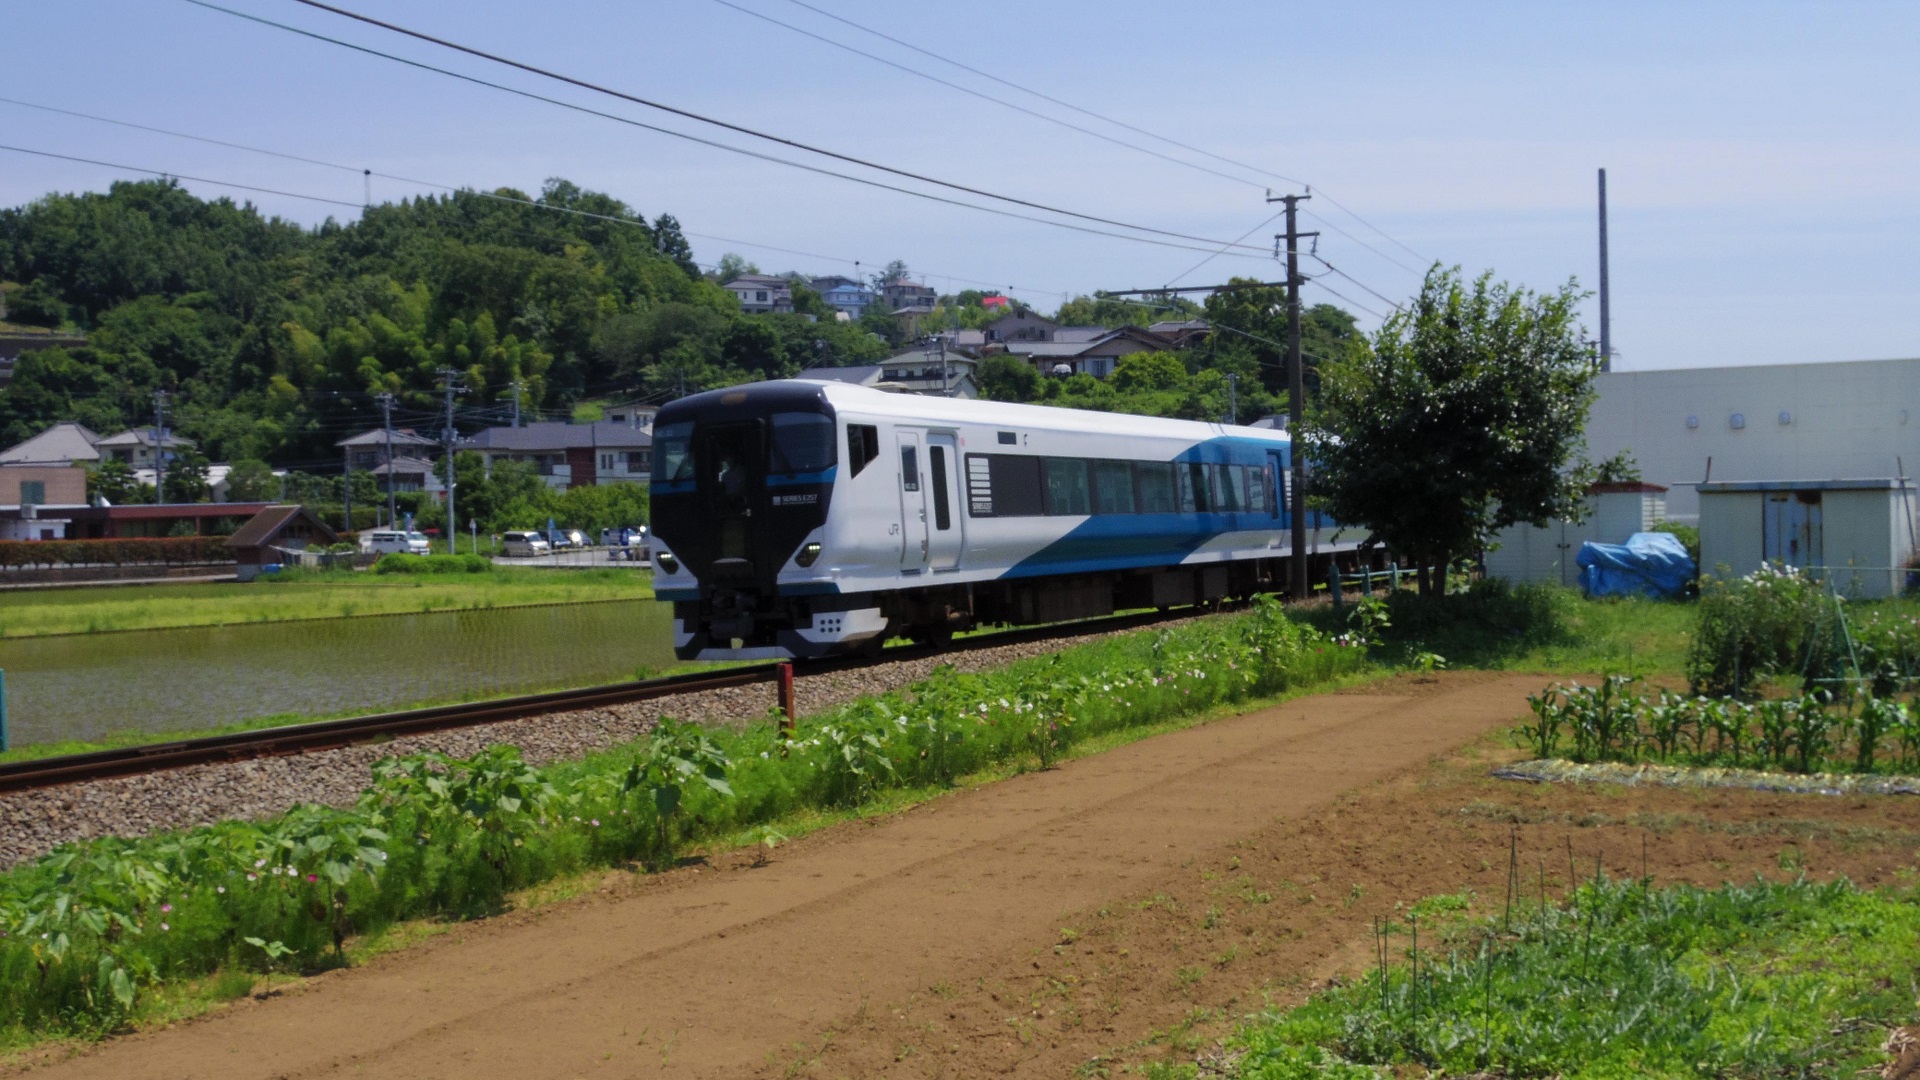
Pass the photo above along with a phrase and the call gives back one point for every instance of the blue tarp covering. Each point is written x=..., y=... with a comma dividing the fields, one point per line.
x=1648, y=564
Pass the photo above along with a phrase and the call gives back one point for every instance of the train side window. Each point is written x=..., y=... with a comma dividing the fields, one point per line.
x=1069, y=491
x=1230, y=485
x=909, y=468
x=937, y=462
x=863, y=445
x=1155, y=482
x=1196, y=493
x=1113, y=487
x=1010, y=486
x=1260, y=489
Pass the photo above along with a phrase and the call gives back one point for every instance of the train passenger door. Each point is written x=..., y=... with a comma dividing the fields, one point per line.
x=913, y=503
x=943, y=499
x=1279, y=481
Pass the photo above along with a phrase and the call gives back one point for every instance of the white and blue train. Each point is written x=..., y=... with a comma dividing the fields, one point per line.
x=806, y=519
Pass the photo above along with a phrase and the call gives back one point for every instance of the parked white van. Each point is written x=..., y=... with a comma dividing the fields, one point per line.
x=524, y=544
x=384, y=542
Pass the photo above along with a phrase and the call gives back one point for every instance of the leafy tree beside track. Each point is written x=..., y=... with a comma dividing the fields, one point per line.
x=1462, y=416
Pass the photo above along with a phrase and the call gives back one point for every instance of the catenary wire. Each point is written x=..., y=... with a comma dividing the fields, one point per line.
x=688, y=114
x=1395, y=304
x=476, y=192
x=1216, y=254
x=181, y=176
x=1107, y=119
x=916, y=73
x=929, y=196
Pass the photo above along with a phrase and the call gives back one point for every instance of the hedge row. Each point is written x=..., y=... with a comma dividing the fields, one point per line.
x=157, y=551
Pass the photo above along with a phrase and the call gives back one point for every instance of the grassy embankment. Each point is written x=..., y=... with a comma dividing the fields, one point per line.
x=301, y=595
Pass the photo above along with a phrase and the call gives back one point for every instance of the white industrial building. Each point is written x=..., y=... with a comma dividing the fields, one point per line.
x=1524, y=553
x=1842, y=420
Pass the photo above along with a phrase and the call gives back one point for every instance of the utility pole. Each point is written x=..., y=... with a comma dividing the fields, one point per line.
x=447, y=437
x=386, y=419
x=1606, y=314
x=515, y=386
x=159, y=446
x=1296, y=401
x=346, y=489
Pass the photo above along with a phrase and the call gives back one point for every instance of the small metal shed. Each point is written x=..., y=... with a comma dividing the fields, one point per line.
x=1615, y=511
x=1858, y=534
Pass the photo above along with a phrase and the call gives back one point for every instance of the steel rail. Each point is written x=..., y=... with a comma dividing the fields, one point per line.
x=323, y=735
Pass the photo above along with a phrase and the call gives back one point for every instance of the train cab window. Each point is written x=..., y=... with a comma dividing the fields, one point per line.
x=910, y=468
x=672, y=456
x=1068, y=491
x=1154, y=480
x=802, y=443
x=937, y=463
x=1113, y=487
x=1196, y=491
x=863, y=445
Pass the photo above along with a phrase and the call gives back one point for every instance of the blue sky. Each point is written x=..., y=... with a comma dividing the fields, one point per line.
x=1762, y=158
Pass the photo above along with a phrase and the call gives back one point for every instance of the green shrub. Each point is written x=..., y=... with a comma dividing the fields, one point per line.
x=1688, y=536
x=1625, y=980
x=1774, y=621
x=402, y=563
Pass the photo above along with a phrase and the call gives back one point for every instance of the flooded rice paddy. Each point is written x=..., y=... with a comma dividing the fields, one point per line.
x=88, y=686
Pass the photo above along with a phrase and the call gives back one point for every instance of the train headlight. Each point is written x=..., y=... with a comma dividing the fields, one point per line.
x=667, y=562
x=809, y=551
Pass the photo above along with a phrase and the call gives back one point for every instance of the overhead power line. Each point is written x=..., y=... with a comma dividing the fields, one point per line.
x=496, y=196
x=1170, y=141
x=698, y=117
x=969, y=91
x=929, y=196
x=181, y=176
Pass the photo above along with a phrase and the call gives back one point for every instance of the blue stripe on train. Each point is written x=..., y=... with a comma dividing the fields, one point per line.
x=1131, y=541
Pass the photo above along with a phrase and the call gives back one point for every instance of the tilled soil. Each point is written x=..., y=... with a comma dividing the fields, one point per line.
x=847, y=936
x=35, y=822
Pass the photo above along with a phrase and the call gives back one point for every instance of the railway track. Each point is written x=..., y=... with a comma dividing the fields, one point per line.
x=334, y=734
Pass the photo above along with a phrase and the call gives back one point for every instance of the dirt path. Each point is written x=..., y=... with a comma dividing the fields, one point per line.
x=732, y=972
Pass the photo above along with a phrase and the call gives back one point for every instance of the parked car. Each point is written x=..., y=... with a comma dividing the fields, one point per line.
x=557, y=539
x=395, y=542
x=625, y=544
x=575, y=538
x=524, y=544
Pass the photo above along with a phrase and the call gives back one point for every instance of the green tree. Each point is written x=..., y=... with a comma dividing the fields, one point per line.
x=732, y=266
x=186, y=478
x=113, y=480
x=1463, y=417
x=1007, y=378
x=251, y=480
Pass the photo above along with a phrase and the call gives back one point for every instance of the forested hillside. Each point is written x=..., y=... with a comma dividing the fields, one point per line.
x=274, y=338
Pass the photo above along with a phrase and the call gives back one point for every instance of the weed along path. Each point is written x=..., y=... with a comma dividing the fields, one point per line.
x=729, y=970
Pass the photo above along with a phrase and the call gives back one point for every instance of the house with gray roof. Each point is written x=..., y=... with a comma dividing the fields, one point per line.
x=1089, y=355
x=571, y=455
x=761, y=293
x=141, y=447
x=65, y=443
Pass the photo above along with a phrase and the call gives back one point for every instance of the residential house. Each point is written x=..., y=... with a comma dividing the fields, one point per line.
x=1182, y=334
x=65, y=443
x=848, y=295
x=277, y=535
x=635, y=414
x=401, y=459
x=571, y=455
x=902, y=294
x=1080, y=351
x=36, y=500
x=1020, y=324
x=141, y=447
x=761, y=293
x=906, y=373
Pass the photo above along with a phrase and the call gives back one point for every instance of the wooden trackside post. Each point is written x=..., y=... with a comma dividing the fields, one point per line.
x=786, y=700
x=5, y=744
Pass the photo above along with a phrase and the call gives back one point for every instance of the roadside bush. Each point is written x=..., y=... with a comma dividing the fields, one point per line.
x=143, y=551
x=87, y=930
x=1774, y=621
x=402, y=563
